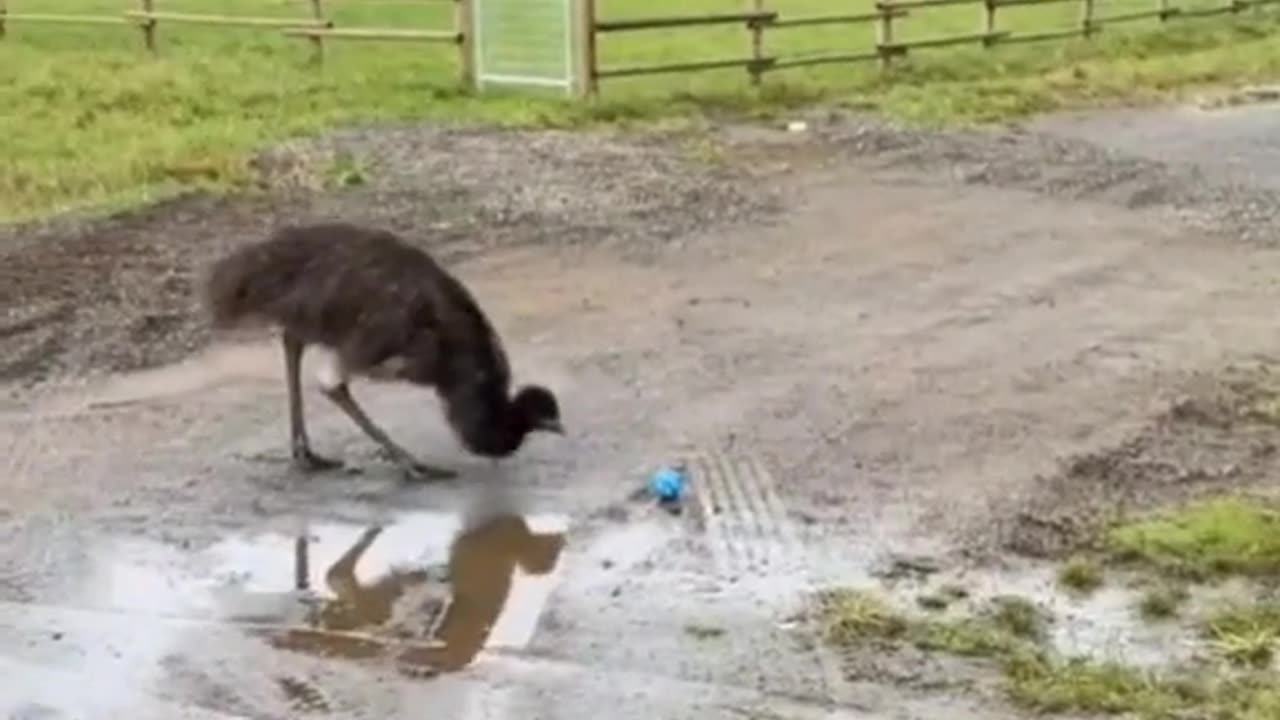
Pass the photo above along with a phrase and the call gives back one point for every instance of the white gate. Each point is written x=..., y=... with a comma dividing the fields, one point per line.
x=524, y=42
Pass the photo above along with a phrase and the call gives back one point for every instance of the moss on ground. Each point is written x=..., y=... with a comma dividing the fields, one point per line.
x=1228, y=536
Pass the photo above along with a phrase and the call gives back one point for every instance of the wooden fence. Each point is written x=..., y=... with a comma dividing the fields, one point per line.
x=756, y=18
x=314, y=27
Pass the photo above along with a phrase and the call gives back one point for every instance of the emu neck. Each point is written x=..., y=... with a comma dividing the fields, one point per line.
x=511, y=431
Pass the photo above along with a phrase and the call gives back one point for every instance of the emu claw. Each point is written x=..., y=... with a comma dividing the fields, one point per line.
x=413, y=469
x=421, y=472
x=309, y=462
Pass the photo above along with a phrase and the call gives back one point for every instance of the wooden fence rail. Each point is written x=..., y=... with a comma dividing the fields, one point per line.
x=885, y=47
x=313, y=27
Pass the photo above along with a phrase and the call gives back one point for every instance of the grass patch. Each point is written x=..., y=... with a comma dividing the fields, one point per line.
x=945, y=597
x=853, y=617
x=1018, y=617
x=1246, y=635
x=1038, y=683
x=850, y=616
x=1162, y=601
x=1010, y=634
x=704, y=632
x=963, y=638
x=1080, y=575
x=1205, y=540
x=92, y=119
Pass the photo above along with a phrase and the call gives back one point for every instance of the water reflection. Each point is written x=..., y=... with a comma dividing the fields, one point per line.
x=427, y=624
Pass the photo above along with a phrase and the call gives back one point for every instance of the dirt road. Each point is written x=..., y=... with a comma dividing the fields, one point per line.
x=876, y=358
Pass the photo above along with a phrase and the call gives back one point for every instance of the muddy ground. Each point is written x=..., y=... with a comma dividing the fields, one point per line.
x=868, y=342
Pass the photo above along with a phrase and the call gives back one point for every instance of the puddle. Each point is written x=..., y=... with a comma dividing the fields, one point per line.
x=429, y=590
x=1103, y=625
x=431, y=617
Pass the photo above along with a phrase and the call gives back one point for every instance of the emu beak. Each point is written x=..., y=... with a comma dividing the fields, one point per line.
x=553, y=426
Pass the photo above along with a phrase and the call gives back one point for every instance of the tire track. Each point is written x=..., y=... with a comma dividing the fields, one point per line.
x=748, y=529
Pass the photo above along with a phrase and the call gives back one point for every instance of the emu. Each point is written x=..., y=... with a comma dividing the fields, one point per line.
x=384, y=310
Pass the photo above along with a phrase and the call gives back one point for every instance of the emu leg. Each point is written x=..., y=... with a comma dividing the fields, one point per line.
x=341, y=577
x=303, y=458
x=341, y=396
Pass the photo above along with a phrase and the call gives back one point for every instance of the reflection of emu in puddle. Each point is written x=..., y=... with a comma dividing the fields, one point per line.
x=359, y=605
x=482, y=563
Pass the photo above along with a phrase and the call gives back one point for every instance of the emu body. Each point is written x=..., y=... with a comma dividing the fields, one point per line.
x=385, y=310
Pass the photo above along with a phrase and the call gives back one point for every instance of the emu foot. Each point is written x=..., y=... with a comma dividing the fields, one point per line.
x=415, y=470
x=421, y=472
x=308, y=462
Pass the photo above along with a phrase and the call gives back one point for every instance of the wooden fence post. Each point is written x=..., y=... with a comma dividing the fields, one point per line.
x=148, y=25
x=465, y=25
x=588, y=84
x=884, y=32
x=757, y=43
x=988, y=26
x=317, y=42
x=1086, y=18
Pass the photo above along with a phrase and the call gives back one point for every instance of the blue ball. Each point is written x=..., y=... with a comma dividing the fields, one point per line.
x=667, y=484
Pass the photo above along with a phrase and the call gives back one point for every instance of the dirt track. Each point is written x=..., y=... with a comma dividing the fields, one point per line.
x=873, y=347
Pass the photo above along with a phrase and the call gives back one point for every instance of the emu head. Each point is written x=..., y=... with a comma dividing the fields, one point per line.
x=537, y=409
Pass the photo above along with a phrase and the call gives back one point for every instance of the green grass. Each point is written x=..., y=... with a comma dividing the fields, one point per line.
x=1078, y=685
x=91, y=118
x=1204, y=540
x=1246, y=635
x=1162, y=601
x=851, y=616
x=1080, y=575
x=1037, y=680
x=1018, y=617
